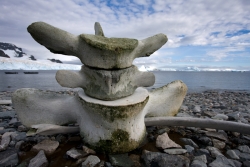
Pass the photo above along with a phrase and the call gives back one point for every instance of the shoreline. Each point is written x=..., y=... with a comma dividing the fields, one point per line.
x=200, y=146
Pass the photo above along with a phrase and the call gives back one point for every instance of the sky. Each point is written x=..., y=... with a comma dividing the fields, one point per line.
x=201, y=33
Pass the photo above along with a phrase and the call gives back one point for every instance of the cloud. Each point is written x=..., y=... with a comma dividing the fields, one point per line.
x=218, y=25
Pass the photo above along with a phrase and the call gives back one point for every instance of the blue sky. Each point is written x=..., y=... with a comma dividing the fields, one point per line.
x=201, y=33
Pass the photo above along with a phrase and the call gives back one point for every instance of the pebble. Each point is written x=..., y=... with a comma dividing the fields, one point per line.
x=49, y=146
x=39, y=160
x=197, y=147
x=189, y=142
x=163, y=142
x=76, y=154
x=222, y=161
x=175, y=151
x=91, y=161
x=121, y=160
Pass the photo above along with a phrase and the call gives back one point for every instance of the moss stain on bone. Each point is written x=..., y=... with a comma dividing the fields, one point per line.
x=119, y=142
x=117, y=45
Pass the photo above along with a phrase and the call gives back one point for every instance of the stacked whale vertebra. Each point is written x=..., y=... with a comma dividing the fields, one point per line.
x=111, y=109
x=108, y=73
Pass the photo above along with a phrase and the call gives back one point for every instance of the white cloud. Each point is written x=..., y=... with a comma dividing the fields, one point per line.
x=185, y=22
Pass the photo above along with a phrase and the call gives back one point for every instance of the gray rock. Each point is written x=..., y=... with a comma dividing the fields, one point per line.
x=175, y=151
x=237, y=163
x=205, y=140
x=202, y=158
x=22, y=128
x=222, y=161
x=234, y=116
x=217, y=135
x=7, y=130
x=120, y=160
x=163, y=142
x=164, y=130
x=17, y=136
x=220, y=117
x=39, y=160
x=76, y=154
x=189, y=142
x=18, y=144
x=218, y=144
x=163, y=160
x=214, y=151
x=5, y=140
x=198, y=163
x=49, y=146
x=246, y=163
x=183, y=115
x=244, y=149
x=184, y=108
x=197, y=109
x=189, y=148
x=9, y=158
x=91, y=161
x=231, y=154
x=7, y=114
x=13, y=121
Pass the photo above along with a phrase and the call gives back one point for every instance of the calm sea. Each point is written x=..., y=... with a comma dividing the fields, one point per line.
x=196, y=81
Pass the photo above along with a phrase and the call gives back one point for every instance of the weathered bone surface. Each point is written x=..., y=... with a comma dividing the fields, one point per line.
x=95, y=50
x=35, y=106
x=116, y=125
x=113, y=126
x=199, y=122
x=106, y=84
x=166, y=100
x=111, y=109
x=50, y=129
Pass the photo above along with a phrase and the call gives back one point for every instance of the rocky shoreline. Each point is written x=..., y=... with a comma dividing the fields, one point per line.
x=165, y=146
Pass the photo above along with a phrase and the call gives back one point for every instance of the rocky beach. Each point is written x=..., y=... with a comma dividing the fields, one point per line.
x=164, y=146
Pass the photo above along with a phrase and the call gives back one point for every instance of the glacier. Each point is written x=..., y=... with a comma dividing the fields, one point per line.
x=16, y=64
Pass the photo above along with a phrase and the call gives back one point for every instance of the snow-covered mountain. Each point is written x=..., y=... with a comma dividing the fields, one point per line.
x=13, y=58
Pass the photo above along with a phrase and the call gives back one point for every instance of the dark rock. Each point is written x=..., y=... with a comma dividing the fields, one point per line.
x=222, y=161
x=205, y=140
x=236, y=163
x=214, y=151
x=9, y=158
x=189, y=142
x=246, y=164
x=189, y=148
x=198, y=163
x=120, y=160
x=157, y=159
x=7, y=130
x=235, y=116
x=232, y=155
x=17, y=136
x=244, y=149
x=217, y=135
x=7, y=114
x=39, y=160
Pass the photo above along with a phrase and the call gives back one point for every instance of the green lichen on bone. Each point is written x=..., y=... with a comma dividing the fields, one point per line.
x=113, y=44
x=119, y=142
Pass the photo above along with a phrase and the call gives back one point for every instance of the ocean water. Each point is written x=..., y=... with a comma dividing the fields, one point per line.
x=196, y=81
